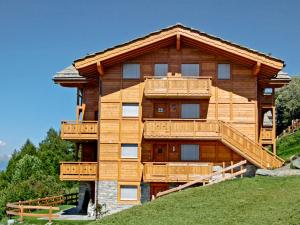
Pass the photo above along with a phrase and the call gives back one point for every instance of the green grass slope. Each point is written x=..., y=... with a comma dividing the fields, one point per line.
x=255, y=201
x=289, y=145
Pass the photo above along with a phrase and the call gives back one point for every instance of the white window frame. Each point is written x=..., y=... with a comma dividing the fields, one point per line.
x=157, y=67
x=134, y=74
x=220, y=69
x=186, y=106
x=125, y=148
x=122, y=187
x=127, y=114
x=197, y=153
x=185, y=66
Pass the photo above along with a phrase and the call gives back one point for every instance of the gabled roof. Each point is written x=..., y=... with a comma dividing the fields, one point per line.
x=192, y=37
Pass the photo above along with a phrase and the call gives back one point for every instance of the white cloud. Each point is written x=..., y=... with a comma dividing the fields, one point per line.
x=2, y=143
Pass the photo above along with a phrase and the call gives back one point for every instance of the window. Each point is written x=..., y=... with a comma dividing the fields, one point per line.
x=189, y=152
x=131, y=71
x=129, y=151
x=224, y=71
x=160, y=109
x=128, y=192
x=267, y=91
x=130, y=110
x=190, y=111
x=160, y=69
x=267, y=118
x=190, y=69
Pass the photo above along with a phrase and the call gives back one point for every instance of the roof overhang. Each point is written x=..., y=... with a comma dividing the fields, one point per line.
x=278, y=81
x=262, y=63
x=69, y=77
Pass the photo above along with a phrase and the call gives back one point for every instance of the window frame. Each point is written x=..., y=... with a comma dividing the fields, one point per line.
x=190, y=160
x=129, y=158
x=125, y=201
x=199, y=108
x=131, y=103
x=154, y=70
x=199, y=69
x=230, y=71
x=267, y=93
x=131, y=78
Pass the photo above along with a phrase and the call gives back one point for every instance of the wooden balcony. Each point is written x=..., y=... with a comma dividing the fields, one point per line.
x=175, y=171
x=180, y=129
x=80, y=130
x=178, y=87
x=78, y=171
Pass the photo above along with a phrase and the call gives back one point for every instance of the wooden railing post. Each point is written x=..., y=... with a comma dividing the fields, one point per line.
x=223, y=172
x=50, y=214
x=21, y=211
x=231, y=163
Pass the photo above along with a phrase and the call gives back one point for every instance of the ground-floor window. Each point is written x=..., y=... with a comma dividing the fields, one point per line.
x=128, y=193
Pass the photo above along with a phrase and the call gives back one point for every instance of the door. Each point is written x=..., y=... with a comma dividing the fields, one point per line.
x=157, y=187
x=161, y=110
x=160, y=152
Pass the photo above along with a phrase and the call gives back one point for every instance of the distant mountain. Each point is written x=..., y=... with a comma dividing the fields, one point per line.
x=3, y=164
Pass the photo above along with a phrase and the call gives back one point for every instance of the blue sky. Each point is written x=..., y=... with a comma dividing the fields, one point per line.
x=39, y=38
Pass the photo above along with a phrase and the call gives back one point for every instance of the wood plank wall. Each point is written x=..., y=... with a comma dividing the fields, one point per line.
x=233, y=100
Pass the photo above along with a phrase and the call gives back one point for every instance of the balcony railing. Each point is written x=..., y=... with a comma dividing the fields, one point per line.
x=79, y=130
x=178, y=87
x=78, y=171
x=180, y=129
x=175, y=171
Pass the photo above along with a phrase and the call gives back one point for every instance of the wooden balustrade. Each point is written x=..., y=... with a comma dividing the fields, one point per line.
x=248, y=148
x=175, y=171
x=180, y=129
x=266, y=134
x=205, y=130
x=78, y=171
x=79, y=130
x=178, y=87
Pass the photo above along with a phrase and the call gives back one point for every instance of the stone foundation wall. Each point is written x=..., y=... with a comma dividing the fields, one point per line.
x=107, y=193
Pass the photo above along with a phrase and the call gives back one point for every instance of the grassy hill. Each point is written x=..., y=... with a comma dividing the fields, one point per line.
x=289, y=145
x=255, y=201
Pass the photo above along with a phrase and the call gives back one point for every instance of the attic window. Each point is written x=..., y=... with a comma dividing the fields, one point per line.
x=190, y=69
x=131, y=71
x=224, y=71
x=160, y=69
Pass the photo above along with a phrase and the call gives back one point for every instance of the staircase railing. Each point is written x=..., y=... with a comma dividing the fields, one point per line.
x=208, y=178
x=254, y=152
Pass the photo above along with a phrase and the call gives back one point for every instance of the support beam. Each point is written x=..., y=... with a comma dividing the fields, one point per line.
x=256, y=69
x=100, y=68
x=178, y=42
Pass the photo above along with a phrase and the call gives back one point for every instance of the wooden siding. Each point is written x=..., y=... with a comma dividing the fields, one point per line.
x=175, y=171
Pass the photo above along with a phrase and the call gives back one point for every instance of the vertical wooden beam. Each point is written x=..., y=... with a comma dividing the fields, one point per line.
x=178, y=42
x=256, y=68
x=100, y=68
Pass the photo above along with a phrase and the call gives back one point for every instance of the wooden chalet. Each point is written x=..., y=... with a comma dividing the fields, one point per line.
x=166, y=109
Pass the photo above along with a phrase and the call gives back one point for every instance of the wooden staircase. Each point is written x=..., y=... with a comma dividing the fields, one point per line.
x=249, y=149
x=212, y=178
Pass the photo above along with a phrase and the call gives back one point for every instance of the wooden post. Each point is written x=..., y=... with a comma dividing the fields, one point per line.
x=242, y=167
x=21, y=212
x=231, y=163
x=50, y=214
x=223, y=165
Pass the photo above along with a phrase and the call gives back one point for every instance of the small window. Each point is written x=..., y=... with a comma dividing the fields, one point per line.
x=267, y=119
x=189, y=152
x=190, y=111
x=190, y=69
x=128, y=192
x=268, y=91
x=160, y=109
x=160, y=69
x=129, y=151
x=131, y=71
x=130, y=110
x=224, y=71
